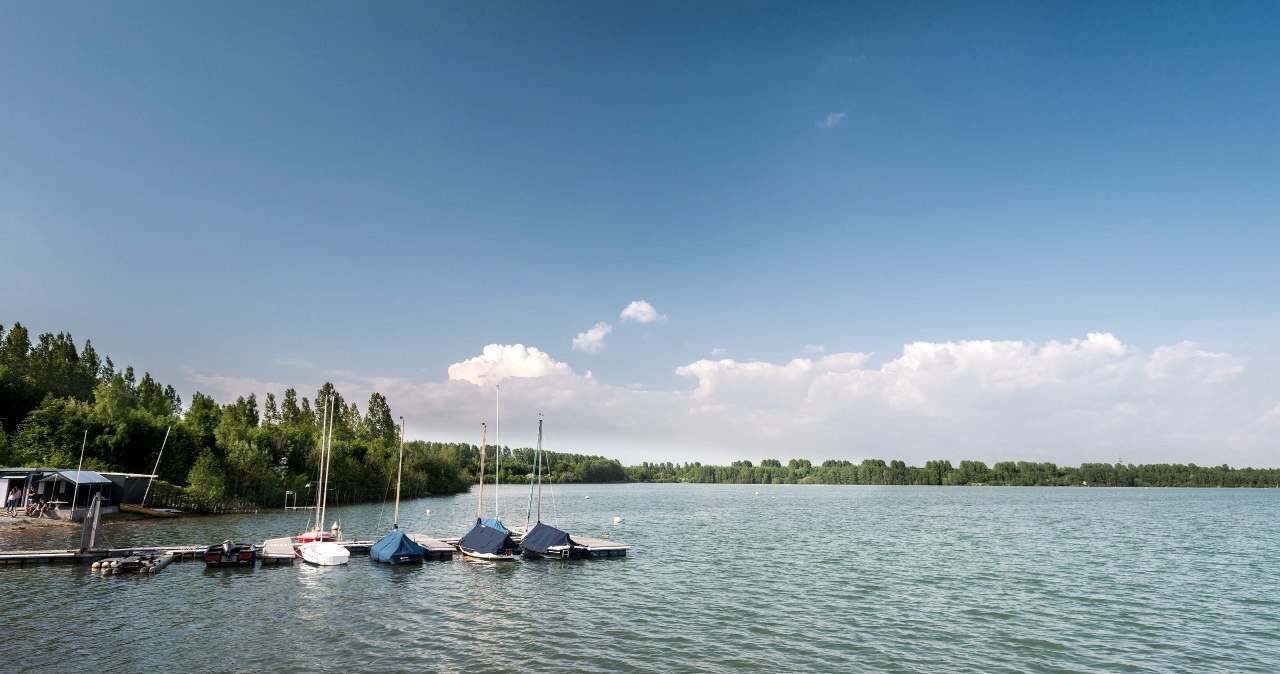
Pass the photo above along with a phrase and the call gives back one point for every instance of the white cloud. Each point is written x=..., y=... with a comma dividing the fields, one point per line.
x=641, y=311
x=499, y=362
x=1084, y=399
x=225, y=389
x=592, y=341
x=718, y=352
x=832, y=120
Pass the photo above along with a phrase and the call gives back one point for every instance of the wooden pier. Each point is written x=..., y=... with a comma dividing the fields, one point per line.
x=602, y=547
x=436, y=550
x=50, y=557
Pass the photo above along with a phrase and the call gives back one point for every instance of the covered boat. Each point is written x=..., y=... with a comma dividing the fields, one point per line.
x=544, y=540
x=488, y=539
x=397, y=548
x=324, y=553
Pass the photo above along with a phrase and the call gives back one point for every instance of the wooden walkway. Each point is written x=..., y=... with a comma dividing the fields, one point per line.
x=39, y=557
x=436, y=550
x=273, y=552
x=602, y=547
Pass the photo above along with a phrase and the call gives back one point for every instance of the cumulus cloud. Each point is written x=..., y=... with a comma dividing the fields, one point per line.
x=832, y=120
x=1072, y=401
x=499, y=362
x=225, y=388
x=641, y=311
x=592, y=341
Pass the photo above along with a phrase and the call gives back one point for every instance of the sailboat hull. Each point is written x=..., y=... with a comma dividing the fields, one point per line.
x=490, y=556
x=143, y=510
x=324, y=553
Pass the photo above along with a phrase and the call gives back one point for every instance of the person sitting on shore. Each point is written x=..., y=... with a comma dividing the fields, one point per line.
x=36, y=508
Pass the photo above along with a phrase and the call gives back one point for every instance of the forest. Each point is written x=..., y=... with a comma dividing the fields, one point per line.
x=56, y=399
x=971, y=473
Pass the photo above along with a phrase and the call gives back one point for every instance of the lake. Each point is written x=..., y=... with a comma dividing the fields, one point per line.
x=720, y=578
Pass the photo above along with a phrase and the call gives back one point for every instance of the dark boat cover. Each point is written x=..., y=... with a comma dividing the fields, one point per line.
x=487, y=540
x=397, y=548
x=542, y=537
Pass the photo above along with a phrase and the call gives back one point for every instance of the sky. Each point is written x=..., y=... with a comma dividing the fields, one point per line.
x=680, y=231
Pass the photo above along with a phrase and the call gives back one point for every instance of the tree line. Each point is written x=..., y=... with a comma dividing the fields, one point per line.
x=242, y=455
x=54, y=397
x=943, y=472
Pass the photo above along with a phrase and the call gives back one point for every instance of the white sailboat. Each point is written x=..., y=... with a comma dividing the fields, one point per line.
x=319, y=551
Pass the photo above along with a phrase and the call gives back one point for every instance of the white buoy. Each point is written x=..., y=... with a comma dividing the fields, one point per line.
x=96, y=565
x=617, y=520
x=587, y=496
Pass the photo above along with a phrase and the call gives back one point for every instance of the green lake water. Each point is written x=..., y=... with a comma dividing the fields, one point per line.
x=719, y=579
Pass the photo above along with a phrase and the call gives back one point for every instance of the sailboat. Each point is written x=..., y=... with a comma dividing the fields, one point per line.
x=316, y=550
x=544, y=540
x=488, y=538
x=396, y=547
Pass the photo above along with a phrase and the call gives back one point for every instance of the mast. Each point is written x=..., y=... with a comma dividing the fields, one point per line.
x=484, y=433
x=537, y=474
x=153, y=470
x=76, y=492
x=324, y=432
x=395, y=522
x=328, y=455
x=537, y=467
x=497, y=450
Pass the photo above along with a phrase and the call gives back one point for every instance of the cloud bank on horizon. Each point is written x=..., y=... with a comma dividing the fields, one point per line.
x=1074, y=401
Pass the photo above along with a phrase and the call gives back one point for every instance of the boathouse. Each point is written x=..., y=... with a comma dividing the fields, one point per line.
x=59, y=487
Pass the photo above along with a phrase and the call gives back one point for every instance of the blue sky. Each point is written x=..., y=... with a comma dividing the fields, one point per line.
x=925, y=230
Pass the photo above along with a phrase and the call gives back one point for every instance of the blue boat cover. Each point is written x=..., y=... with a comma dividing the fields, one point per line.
x=488, y=540
x=494, y=523
x=397, y=548
x=543, y=537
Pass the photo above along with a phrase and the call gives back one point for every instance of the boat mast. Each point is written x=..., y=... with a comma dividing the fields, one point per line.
x=395, y=523
x=328, y=454
x=75, y=493
x=528, y=510
x=537, y=467
x=497, y=450
x=153, y=470
x=324, y=432
x=484, y=434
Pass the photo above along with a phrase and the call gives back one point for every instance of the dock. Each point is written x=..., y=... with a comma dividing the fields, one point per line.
x=602, y=547
x=436, y=550
x=51, y=557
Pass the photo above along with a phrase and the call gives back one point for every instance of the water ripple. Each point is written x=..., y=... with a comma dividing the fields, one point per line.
x=721, y=579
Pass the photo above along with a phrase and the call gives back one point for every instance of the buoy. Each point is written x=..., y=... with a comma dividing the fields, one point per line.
x=428, y=511
x=96, y=565
x=587, y=496
x=617, y=520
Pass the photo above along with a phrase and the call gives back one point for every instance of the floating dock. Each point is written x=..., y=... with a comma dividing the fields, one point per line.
x=602, y=547
x=49, y=557
x=436, y=550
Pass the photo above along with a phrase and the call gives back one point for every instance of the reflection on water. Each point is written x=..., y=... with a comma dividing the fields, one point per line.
x=720, y=578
